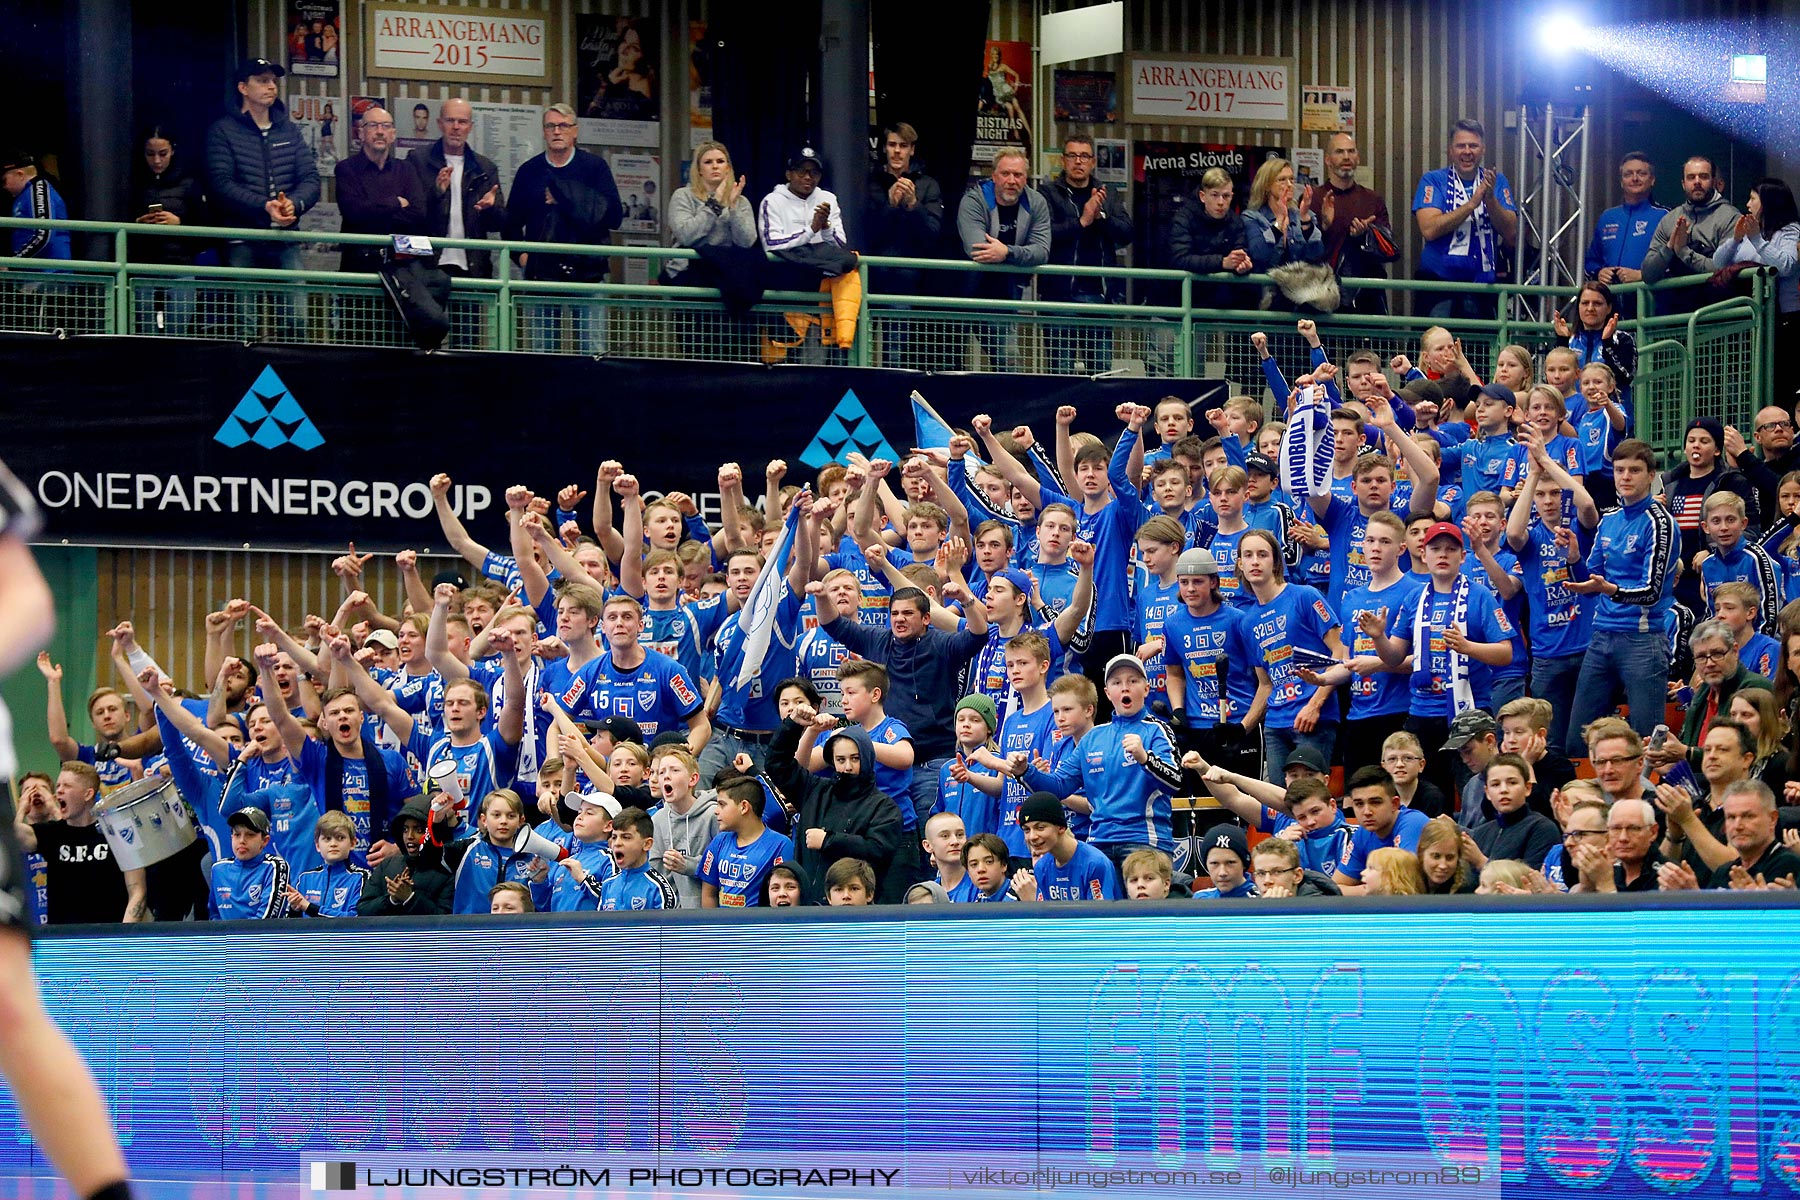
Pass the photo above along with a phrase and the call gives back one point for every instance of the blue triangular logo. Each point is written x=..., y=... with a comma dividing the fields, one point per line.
x=849, y=428
x=269, y=415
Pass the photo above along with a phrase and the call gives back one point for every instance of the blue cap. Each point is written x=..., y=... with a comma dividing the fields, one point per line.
x=1020, y=580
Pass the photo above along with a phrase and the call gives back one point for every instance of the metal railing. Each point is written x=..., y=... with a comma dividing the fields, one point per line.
x=1716, y=361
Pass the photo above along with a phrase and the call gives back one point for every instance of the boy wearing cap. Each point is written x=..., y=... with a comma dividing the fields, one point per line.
x=1267, y=507
x=254, y=884
x=1378, y=693
x=735, y=863
x=576, y=888
x=635, y=884
x=1473, y=739
x=1126, y=768
x=1217, y=688
x=1381, y=820
x=1227, y=863
x=1456, y=633
x=1484, y=457
x=1008, y=603
x=1062, y=868
x=34, y=196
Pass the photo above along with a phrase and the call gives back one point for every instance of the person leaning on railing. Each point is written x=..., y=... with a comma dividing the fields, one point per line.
x=712, y=216
x=1769, y=235
x=34, y=196
x=463, y=198
x=1003, y=222
x=1207, y=238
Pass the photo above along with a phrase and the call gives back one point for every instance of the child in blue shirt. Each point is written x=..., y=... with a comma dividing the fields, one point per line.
x=1227, y=864
x=987, y=879
x=576, y=888
x=253, y=884
x=637, y=885
x=972, y=784
x=1062, y=868
x=736, y=862
x=332, y=890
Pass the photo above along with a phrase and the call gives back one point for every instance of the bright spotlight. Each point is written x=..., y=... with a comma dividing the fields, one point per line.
x=1561, y=33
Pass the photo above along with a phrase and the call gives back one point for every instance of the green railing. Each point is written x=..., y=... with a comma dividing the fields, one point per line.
x=1716, y=361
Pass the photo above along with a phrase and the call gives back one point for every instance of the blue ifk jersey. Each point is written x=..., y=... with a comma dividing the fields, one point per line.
x=568, y=896
x=481, y=766
x=1361, y=842
x=678, y=633
x=752, y=704
x=1029, y=733
x=1384, y=692
x=980, y=812
x=656, y=693
x=1219, y=660
x=1154, y=602
x=638, y=889
x=1295, y=618
x=738, y=871
x=335, y=887
x=1088, y=875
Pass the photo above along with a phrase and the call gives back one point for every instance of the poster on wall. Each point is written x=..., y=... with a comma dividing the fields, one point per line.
x=1112, y=160
x=616, y=96
x=1325, y=108
x=315, y=38
x=639, y=180
x=435, y=42
x=1004, y=100
x=415, y=127
x=1166, y=176
x=1210, y=90
x=700, y=114
x=507, y=133
x=1087, y=97
x=359, y=105
x=318, y=122
x=1309, y=165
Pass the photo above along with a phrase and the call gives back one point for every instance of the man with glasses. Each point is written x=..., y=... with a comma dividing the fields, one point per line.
x=1617, y=754
x=563, y=195
x=1776, y=451
x=1721, y=674
x=376, y=193
x=1088, y=227
x=1585, y=826
x=1627, y=860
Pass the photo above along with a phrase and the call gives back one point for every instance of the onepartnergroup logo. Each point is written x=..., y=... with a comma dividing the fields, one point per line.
x=333, y=1177
x=269, y=416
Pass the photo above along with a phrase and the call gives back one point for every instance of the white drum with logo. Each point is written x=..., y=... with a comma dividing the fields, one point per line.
x=145, y=822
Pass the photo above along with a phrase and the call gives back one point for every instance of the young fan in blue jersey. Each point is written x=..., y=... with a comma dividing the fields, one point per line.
x=1484, y=456
x=986, y=878
x=577, y=886
x=973, y=784
x=1491, y=562
x=1159, y=543
x=111, y=721
x=1217, y=689
x=1456, y=633
x=737, y=861
x=1126, y=768
x=334, y=889
x=637, y=884
x=1227, y=862
x=1561, y=621
x=943, y=846
x=1732, y=559
x=504, y=849
x=1600, y=429
x=1062, y=868
x=253, y=883
x=1286, y=618
x=1631, y=570
x=1008, y=604
x=1545, y=414
x=1378, y=693
x=1736, y=605
x=648, y=687
x=673, y=628
x=1030, y=728
x=1380, y=821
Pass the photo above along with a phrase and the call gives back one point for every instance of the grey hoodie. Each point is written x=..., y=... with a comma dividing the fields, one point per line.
x=688, y=832
x=1709, y=227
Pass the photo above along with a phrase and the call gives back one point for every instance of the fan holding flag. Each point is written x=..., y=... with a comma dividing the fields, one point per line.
x=755, y=649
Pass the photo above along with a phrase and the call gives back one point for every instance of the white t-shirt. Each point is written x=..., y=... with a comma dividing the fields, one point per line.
x=448, y=257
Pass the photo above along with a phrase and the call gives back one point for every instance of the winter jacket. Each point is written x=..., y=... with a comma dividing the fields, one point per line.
x=433, y=889
x=1269, y=247
x=479, y=174
x=586, y=211
x=247, y=167
x=178, y=192
x=897, y=232
x=1198, y=243
x=1095, y=246
x=859, y=822
x=689, y=832
x=978, y=216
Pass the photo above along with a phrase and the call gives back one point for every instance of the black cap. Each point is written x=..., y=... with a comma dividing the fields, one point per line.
x=805, y=154
x=621, y=729
x=252, y=67
x=1311, y=759
x=452, y=577
x=1043, y=806
x=12, y=158
x=1258, y=461
x=249, y=818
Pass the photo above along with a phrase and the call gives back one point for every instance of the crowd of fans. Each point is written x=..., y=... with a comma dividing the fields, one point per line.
x=258, y=172
x=1013, y=669
x=1002, y=670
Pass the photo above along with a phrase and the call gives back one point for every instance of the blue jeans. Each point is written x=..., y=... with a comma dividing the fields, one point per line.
x=276, y=256
x=1505, y=691
x=1553, y=679
x=542, y=324
x=1634, y=663
x=924, y=790
x=722, y=747
x=1278, y=744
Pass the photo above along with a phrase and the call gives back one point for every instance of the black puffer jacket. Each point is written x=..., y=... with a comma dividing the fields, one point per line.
x=1199, y=243
x=859, y=822
x=434, y=890
x=247, y=167
x=178, y=192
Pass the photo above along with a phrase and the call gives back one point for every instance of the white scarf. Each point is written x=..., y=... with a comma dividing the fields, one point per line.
x=1306, y=452
x=1474, y=235
x=1462, y=693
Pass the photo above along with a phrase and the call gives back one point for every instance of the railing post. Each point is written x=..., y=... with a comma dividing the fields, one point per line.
x=119, y=311
x=1184, y=348
x=503, y=309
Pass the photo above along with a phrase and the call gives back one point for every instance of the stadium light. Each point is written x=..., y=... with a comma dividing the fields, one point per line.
x=1561, y=33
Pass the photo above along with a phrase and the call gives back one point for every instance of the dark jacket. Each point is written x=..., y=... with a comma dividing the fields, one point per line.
x=246, y=168
x=1072, y=246
x=1524, y=835
x=923, y=678
x=859, y=821
x=901, y=232
x=1315, y=883
x=479, y=174
x=369, y=198
x=1198, y=243
x=178, y=192
x=1695, y=718
x=587, y=208
x=434, y=890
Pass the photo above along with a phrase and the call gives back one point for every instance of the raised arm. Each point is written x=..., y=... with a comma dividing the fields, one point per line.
x=220, y=627
x=191, y=727
x=631, y=525
x=55, y=716
x=519, y=522
x=377, y=699
x=1011, y=469
x=1068, y=621
x=554, y=553
x=454, y=533
x=611, y=544
x=1518, y=518
x=804, y=559
x=956, y=587
x=1424, y=472
x=437, y=639
x=268, y=629
x=417, y=597
x=292, y=736
x=1065, y=443
x=511, y=721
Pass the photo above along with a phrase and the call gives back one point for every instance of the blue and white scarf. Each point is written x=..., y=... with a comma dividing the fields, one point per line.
x=1462, y=692
x=1306, y=451
x=1474, y=236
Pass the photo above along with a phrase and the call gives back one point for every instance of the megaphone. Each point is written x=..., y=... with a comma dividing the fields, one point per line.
x=442, y=775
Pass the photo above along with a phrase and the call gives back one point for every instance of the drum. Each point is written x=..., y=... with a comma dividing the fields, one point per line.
x=145, y=822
